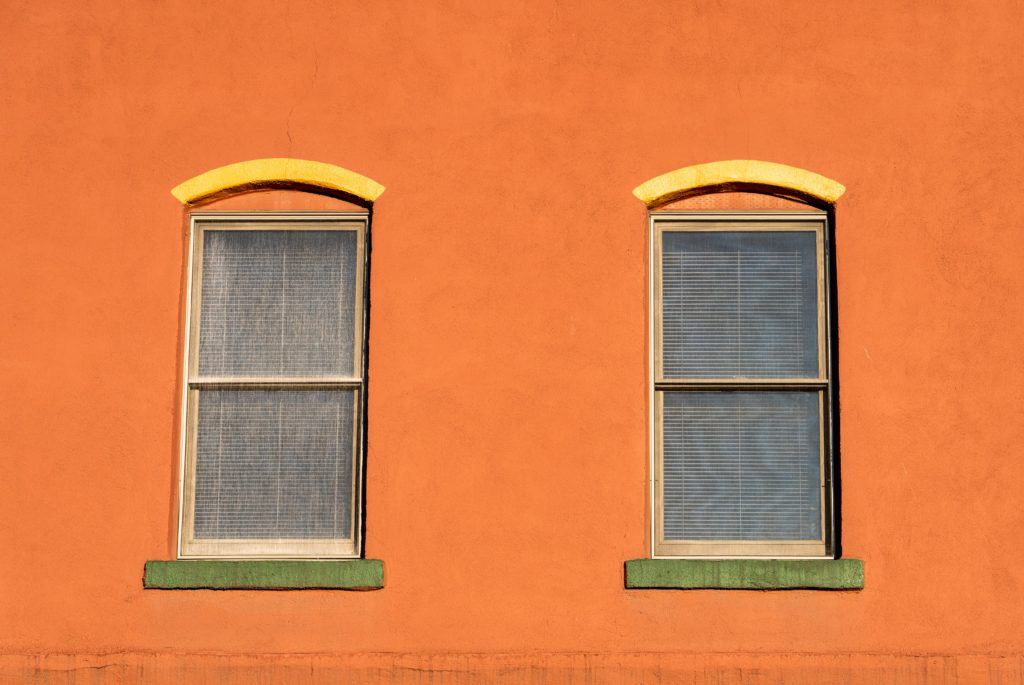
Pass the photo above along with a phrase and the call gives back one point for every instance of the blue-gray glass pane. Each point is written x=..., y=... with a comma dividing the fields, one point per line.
x=278, y=303
x=274, y=464
x=739, y=304
x=742, y=466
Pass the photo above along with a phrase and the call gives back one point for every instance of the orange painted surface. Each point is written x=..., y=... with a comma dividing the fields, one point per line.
x=508, y=450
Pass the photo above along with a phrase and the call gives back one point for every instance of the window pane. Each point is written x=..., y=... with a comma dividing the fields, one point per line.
x=740, y=304
x=274, y=464
x=278, y=303
x=742, y=466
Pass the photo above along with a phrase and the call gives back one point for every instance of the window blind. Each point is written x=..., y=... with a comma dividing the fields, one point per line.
x=276, y=389
x=278, y=303
x=739, y=305
x=742, y=466
x=274, y=464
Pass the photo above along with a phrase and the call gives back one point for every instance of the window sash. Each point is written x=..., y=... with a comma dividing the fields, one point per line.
x=811, y=221
x=188, y=545
x=733, y=547
x=191, y=547
x=274, y=222
x=734, y=224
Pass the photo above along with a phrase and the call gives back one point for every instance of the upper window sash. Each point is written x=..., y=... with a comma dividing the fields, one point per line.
x=202, y=223
x=664, y=225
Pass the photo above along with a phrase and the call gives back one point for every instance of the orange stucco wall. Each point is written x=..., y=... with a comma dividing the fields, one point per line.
x=507, y=463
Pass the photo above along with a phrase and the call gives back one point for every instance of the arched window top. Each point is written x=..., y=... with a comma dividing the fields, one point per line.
x=278, y=172
x=739, y=174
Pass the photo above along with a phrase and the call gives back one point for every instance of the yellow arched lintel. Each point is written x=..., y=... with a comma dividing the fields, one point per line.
x=279, y=172
x=738, y=173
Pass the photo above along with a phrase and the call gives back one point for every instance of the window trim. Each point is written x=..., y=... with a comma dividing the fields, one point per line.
x=826, y=548
x=253, y=549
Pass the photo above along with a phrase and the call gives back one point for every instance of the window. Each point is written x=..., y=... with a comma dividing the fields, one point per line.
x=275, y=386
x=742, y=391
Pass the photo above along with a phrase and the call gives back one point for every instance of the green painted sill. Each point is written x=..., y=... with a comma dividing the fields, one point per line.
x=276, y=574
x=745, y=574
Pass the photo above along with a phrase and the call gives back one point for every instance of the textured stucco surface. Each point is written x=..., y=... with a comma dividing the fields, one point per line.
x=537, y=668
x=508, y=465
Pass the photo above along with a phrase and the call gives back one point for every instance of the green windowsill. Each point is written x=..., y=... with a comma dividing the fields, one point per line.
x=745, y=574
x=270, y=574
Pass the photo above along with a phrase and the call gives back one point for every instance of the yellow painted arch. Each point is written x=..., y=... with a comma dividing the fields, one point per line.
x=738, y=173
x=278, y=172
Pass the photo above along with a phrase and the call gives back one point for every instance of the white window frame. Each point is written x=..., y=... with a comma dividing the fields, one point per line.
x=348, y=548
x=762, y=220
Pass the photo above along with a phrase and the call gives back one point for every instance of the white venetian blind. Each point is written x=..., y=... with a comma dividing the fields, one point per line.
x=278, y=303
x=276, y=463
x=739, y=305
x=741, y=466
